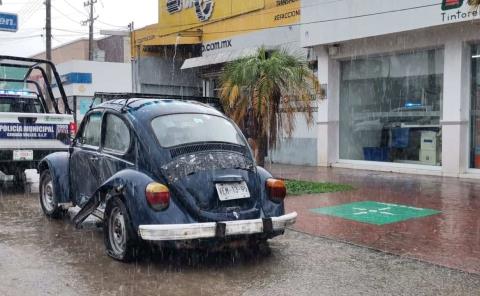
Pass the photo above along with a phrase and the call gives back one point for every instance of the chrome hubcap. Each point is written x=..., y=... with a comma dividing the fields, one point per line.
x=47, y=196
x=117, y=231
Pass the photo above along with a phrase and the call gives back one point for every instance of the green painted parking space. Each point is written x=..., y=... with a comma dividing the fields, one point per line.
x=376, y=213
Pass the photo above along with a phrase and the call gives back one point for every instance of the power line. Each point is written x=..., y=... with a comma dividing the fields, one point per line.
x=111, y=25
x=10, y=43
x=90, y=21
x=66, y=16
x=69, y=31
x=27, y=6
x=20, y=37
x=86, y=14
x=76, y=9
x=30, y=12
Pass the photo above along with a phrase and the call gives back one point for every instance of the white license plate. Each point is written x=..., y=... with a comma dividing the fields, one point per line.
x=22, y=154
x=231, y=191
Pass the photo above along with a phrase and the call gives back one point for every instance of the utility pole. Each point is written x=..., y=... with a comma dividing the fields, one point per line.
x=90, y=22
x=48, y=36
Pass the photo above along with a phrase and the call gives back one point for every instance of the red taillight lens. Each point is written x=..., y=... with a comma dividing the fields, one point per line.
x=72, y=129
x=276, y=190
x=158, y=196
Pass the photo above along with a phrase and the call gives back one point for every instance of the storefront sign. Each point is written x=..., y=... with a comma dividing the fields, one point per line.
x=285, y=2
x=190, y=13
x=286, y=15
x=336, y=21
x=454, y=11
x=203, y=8
x=38, y=131
x=217, y=45
x=451, y=4
x=224, y=25
x=8, y=22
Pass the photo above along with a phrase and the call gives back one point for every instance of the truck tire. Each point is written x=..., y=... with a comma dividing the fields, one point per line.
x=121, y=241
x=48, y=199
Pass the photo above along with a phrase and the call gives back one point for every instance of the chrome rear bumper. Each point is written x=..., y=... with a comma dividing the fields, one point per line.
x=172, y=232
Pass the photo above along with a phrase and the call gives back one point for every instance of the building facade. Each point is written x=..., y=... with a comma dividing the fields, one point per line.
x=402, y=81
x=184, y=53
x=110, y=71
x=82, y=79
x=113, y=49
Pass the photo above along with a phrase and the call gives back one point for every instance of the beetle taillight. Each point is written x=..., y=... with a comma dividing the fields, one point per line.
x=158, y=196
x=72, y=129
x=276, y=190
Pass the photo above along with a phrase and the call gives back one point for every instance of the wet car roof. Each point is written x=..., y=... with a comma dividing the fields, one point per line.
x=140, y=107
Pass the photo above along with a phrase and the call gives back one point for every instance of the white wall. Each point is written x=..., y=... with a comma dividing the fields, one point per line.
x=329, y=21
x=106, y=77
x=455, y=40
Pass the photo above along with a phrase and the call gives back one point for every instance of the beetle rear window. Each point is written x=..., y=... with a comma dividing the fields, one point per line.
x=179, y=129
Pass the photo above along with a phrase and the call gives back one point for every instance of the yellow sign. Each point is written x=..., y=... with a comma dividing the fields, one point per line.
x=204, y=21
x=175, y=14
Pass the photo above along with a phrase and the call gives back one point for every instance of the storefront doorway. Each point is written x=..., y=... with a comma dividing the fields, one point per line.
x=391, y=106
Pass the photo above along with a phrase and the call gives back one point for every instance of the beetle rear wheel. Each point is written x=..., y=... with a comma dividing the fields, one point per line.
x=48, y=199
x=120, y=240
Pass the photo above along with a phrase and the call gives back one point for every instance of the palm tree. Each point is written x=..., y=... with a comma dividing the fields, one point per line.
x=263, y=92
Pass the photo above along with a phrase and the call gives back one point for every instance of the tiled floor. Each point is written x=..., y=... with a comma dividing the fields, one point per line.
x=450, y=238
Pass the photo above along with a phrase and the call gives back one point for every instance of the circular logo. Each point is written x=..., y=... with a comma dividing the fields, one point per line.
x=203, y=9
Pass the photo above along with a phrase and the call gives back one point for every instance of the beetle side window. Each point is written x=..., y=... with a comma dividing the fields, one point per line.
x=117, y=134
x=92, y=131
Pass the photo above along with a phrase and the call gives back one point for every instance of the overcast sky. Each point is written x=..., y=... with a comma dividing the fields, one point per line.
x=67, y=16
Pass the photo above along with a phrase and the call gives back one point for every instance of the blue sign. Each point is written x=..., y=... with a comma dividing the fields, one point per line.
x=77, y=77
x=8, y=22
x=32, y=131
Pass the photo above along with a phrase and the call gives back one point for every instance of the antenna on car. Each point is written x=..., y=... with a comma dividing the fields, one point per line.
x=93, y=102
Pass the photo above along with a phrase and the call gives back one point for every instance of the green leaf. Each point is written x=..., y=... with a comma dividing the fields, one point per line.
x=297, y=187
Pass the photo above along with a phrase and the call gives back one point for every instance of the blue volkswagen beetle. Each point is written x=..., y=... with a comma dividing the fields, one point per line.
x=165, y=171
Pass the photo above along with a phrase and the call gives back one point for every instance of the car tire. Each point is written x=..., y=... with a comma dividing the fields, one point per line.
x=121, y=241
x=48, y=198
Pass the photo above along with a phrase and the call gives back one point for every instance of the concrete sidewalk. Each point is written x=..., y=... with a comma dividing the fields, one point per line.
x=433, y=219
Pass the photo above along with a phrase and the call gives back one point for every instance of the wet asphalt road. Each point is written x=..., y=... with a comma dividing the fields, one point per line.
x=47, y=257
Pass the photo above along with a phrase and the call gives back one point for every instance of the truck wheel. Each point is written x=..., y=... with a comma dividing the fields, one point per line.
x=48, y=200
x=120, y=239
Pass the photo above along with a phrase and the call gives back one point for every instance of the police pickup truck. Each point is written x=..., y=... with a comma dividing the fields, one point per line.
x=30, y=129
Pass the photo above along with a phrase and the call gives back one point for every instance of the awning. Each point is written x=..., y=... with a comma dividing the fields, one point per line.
x=154, y=36
x=218, y=58
x=174, y=39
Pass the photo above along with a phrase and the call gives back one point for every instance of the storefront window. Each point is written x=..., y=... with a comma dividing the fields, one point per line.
x=475, y=110
x=390, y=108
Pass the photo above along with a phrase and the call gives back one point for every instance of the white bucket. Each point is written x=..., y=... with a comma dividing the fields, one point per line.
x=32, y=180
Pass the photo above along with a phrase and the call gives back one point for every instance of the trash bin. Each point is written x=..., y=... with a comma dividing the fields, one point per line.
x=376, y=153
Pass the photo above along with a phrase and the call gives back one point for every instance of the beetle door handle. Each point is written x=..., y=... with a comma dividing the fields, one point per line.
x=94, y=158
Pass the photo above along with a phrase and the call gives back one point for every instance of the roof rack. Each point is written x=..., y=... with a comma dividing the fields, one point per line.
x=27, y=82
x=106, y=96
x=30, y=64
